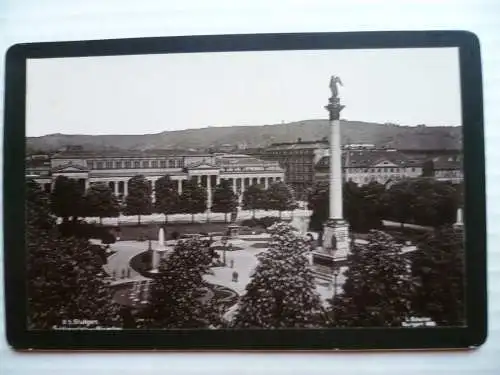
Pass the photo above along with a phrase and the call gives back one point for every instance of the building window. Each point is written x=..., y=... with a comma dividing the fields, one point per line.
x=163, y=164
x=99, y=165
x=118, y=164
x=145, y=164
x=171, y=163
x=154, y=164
x=109, y=165
x=128, y=164
x=90, y=164
x=137, y=164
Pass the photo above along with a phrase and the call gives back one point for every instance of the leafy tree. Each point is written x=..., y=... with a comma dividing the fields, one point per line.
x=363, y=206
x=378, y=289
x=101, y=202
x=193, y=199
x=38, y=213
x=400, y=198
x=254, y=198
x=428, y=168
x=435, y=202
x=66, y=281
x=167, y=198
x=282, y=291
x=280, y=197
x=423, y=201
x=438, y=267
x=138, y=200
x=65, y=276
x=371, y=209
x=318, y=203
x=178, y=290
x=224, y=199
x=459, y=191
x=66, y=199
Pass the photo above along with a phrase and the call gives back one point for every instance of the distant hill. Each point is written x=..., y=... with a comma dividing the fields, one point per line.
x=391, y=135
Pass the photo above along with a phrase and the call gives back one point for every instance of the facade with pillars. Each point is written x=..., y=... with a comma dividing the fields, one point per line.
x=116, y=168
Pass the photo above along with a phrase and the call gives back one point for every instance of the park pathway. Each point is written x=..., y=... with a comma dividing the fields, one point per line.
x=119, y=262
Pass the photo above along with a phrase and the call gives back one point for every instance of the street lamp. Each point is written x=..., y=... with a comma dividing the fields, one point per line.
x=224, y=246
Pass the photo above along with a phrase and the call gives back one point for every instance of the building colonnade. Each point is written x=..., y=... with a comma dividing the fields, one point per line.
x=119, y=185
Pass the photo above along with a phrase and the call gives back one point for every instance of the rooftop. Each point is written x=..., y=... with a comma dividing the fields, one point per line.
x=369, y=158
x=83, y=154
x=231, y=160
x=447, y=162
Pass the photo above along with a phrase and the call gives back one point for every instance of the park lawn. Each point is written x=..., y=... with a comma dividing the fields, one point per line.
x=133, y=232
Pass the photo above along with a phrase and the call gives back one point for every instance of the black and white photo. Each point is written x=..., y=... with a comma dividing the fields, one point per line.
x=245, y=190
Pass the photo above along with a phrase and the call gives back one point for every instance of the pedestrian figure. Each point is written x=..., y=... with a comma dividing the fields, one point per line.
x=114, y=275
x=128, y=273
x=235, y=277
x=123, y=273
x=231, y=263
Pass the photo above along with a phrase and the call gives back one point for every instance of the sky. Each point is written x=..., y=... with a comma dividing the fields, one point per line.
x=154, y=93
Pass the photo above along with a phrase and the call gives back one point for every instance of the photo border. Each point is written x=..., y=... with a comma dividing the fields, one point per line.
x=469, y=336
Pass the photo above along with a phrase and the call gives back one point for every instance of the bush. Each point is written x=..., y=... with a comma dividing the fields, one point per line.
x=175, y=235
x=81, y=229
x=143, y=236
x=108, y=238
x=263, y=222
x=267, y=221
x=100, y=252
x=249, y=223
x=405, y=234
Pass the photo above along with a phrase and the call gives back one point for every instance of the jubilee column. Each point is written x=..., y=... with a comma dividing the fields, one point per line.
x=336, y=229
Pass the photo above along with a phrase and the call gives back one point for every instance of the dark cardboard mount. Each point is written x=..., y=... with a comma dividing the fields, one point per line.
x=472, y=335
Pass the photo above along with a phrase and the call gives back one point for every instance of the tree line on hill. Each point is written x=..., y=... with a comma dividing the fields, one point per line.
x=383, y=288
x=392, y=135
x=69, y=201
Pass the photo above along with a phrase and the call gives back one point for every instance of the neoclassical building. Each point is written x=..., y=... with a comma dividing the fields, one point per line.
x=115, y=168
x=387, y=165
x=371, y=165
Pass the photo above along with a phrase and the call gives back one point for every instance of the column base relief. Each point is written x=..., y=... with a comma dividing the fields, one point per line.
x=336, y=239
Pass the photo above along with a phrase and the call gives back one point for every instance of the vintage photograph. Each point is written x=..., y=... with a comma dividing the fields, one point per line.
x=245, y=190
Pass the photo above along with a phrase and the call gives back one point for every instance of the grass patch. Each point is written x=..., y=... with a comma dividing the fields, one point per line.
x=134, y=232
x=260, y=245
x=228, y=249
x=141, y=263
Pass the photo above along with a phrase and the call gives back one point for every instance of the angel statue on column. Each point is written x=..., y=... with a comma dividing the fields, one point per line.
x=334, y=80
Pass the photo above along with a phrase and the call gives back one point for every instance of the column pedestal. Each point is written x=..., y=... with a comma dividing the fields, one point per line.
x=336, y=238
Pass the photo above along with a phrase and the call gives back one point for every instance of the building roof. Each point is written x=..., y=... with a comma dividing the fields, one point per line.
x=65, y=166
x=239, y=160
x=369, y=158
x=83, y=154
x=447, y=162
x=299, y=145
x=37, y=163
